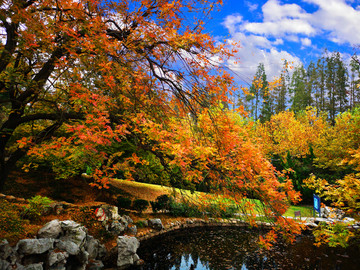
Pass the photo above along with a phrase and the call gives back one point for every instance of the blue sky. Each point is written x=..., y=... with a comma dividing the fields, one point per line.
x=298, y=31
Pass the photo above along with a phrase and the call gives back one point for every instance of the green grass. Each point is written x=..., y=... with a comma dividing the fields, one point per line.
x=152, y=191
x=306, y=211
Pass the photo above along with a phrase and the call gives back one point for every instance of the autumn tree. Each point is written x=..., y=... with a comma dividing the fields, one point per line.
x=109, y=87
x=74, y=66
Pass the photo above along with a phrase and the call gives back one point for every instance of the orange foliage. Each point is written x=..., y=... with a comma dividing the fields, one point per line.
x=95, y=76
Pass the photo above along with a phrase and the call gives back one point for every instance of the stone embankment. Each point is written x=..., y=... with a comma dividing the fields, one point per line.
x=62, y=245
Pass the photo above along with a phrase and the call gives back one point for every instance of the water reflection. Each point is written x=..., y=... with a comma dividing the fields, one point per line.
x=234, y=248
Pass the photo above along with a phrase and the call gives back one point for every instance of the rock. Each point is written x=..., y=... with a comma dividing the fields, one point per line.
x=113, y=212
x=156, y=224
x=68, y=246
x=35, y=266
x=51, y=229
x=57, y=259
x=4, y=265
x=348, y=220
x=100, y=214
x=5, y=250
x=106, y=212
x=318, y=220
x=83, y=259
x=73, y=232
x=132, y=230
x=333, y=213
x=34, y=246
x=95, y=249
x=116, y=227
x=126, y=219
x=95, y=265
x=127, y=247
x=92, y=246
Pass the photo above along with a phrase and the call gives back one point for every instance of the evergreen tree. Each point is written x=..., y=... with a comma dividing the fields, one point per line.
x=281, y=91
x=336, y=83
x=259, y=93
x=301, y=95
x=354, y=81
x=320, y=89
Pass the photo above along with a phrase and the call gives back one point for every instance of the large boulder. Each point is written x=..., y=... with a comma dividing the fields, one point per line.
x=107, y=212
x=117, y=227
x=51, y=229
x=94, y=248
x=127, y=247
x=73, y=232
x=57, y=259
x=126, y=220
x=35, y=266
x=68, y=246
x=95, y=265
x=5, y=250
x=5, y=265
x=156, y=224
x=34, y=246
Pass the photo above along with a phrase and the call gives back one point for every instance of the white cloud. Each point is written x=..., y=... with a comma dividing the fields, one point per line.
x=305, y=42
x=280, y=28
x=340, y=20
x=274, y=11
x=231, y=22
x=278, y=41
x=254, y=51
x=252, y=6
x=335, y=20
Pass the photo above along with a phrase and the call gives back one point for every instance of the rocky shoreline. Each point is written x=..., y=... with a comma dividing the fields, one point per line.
x=66, y=245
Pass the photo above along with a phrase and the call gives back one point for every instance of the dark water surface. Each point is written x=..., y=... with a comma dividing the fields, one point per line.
x=235, y=248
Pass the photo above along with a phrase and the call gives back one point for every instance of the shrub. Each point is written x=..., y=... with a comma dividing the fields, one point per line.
x=161, y=203
x=123, y=202
x=37, y=207
x=140, y=205
x=140, y=224
x=11, y=223
x=220, y=210
x=184, y=209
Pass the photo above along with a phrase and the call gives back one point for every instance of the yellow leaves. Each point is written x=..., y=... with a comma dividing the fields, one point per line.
x=286, y=133
x=318, y=185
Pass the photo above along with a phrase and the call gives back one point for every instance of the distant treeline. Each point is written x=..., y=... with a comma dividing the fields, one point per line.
x=329, y=84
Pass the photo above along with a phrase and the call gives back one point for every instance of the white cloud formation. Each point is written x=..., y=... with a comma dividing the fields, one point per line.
x=251, y=6
x=280, y=28
x=305, y=42
x=254, y=50
x=335, y=20
x=231, y=22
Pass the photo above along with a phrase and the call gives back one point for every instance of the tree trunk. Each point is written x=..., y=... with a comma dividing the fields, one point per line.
x=4, y=174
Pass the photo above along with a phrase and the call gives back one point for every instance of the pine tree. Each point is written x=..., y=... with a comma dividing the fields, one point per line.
x=354, y=81
x=281, y=91
x=301, y=96
x=259, y=93
x=320, y=91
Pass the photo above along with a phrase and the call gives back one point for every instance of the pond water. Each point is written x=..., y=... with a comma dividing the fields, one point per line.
x=235, y=248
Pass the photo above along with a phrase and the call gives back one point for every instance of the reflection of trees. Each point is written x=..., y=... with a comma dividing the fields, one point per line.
x=227, y=248
x=211, y=248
